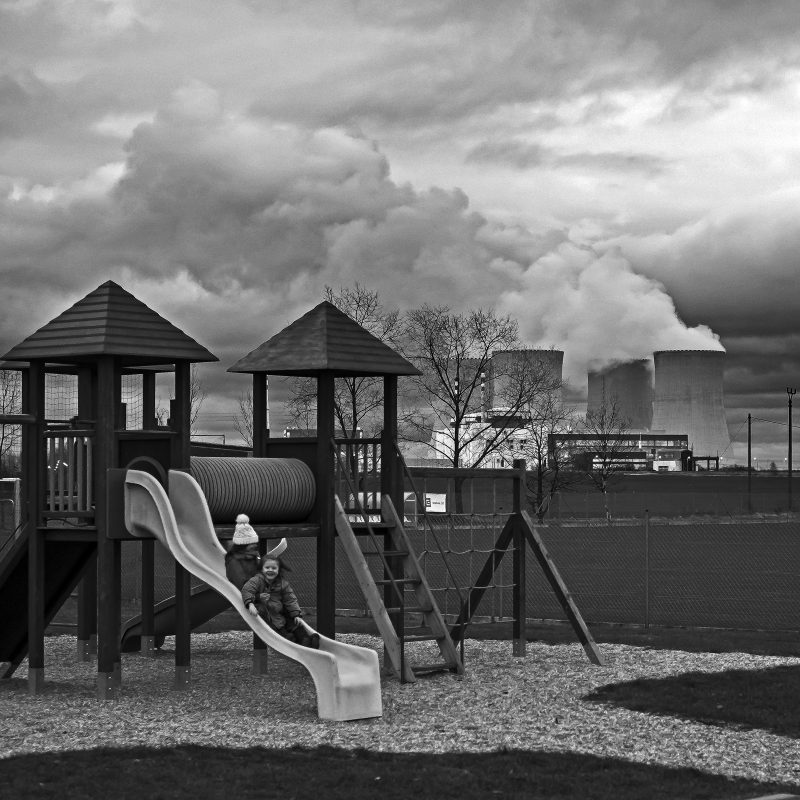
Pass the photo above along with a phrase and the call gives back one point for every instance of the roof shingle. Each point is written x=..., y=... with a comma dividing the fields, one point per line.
x=109, y=321
x=324, y=339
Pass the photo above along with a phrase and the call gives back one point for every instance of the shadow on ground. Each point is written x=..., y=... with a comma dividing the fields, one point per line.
x=765, y=699
x=202, y=772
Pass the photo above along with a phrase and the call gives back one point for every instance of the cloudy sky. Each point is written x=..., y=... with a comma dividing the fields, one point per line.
x=622, y=176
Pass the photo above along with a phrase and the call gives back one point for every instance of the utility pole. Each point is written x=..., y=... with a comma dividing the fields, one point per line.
x=749, y=465
x=791, y=393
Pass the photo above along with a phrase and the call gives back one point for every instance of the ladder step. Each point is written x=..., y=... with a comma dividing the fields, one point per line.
x=386, y=553
x=389, y=581
x=424, y=637
x=438, y=667
x=360, y=525
x=408, y=610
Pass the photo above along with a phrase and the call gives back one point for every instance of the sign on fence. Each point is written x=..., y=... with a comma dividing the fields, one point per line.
x=436, y=503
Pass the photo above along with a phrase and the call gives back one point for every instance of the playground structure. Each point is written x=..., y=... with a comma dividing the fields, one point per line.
x=93, y=483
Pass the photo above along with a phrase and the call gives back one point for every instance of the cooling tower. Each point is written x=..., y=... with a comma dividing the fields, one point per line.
x=688, y=398
x=506, y=366
x=630, y=384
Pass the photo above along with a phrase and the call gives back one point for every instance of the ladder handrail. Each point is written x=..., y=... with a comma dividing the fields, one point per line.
x=399, y=593
x=365, y=516
x=464, y=615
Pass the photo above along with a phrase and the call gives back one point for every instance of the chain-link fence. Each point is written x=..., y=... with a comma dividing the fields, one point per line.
x=571, y=506
x=743, y=575
x=740, y=575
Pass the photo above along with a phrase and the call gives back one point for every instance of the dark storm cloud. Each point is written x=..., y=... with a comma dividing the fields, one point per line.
x=626, y=170
x=523, y=155
x=520, y=155
x=465, y=59
x=735, y=271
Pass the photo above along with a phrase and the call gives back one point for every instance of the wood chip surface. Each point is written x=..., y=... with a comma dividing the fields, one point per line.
x=535, y=703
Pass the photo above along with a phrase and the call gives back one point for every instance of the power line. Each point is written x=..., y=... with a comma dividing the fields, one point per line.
x=773, y=422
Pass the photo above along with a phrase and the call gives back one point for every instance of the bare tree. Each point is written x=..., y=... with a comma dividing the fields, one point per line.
x=358, y=400
x=10, y=435
x=300, y=406
x=454, y=353
x=606, y=447
x=548, y=458
x=243, y=421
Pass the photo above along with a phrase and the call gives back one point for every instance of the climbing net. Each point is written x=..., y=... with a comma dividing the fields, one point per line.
x=467, y=542
x=132, y=396
x=60, y=396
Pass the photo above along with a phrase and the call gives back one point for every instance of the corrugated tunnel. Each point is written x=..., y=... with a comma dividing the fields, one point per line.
x=268, y=490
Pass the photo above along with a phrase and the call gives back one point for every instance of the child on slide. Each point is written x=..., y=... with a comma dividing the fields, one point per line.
x=270, y=596
x=242, y=559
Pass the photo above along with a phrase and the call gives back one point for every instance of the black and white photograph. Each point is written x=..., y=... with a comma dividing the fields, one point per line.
x=397, y=399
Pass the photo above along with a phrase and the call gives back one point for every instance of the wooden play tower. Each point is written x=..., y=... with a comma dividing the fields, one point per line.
x=73, y=516
x=326, y=344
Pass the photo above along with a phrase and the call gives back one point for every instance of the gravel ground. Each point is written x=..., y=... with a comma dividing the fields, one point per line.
x=533, y=703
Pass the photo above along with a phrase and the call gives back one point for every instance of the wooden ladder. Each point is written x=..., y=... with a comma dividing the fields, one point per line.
x=409, y=577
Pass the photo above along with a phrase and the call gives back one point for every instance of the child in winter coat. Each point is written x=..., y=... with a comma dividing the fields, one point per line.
x=270, y=596
x=242, y=559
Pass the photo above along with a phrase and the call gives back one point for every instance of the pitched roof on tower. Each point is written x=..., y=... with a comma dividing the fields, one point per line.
x=324, y=339
x=110, y=322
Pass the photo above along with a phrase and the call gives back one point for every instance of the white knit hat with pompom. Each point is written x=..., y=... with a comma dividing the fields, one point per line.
x=244, y=533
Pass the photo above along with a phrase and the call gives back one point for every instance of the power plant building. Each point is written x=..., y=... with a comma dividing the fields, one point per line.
x=670, y=416
x=688, y=398
x=630, y=386
x=509, y=366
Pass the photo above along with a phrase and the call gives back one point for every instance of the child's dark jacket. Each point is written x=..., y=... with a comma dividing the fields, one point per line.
x=241, y=563
x=276, y=602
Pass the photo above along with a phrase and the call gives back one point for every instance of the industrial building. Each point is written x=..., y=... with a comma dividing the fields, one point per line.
x=630, y=384
x=624, y=451
x=670, y=412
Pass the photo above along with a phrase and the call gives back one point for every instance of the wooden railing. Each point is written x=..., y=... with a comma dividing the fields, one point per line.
x=68, y=484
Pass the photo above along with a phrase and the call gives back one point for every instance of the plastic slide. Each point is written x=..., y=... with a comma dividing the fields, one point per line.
x=346, y=677
x=204, y=604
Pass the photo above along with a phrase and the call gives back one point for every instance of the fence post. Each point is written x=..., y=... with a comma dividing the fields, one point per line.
x=646, y=569
x=519, y=571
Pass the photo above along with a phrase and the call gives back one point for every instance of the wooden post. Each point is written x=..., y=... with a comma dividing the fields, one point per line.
x=147, y=641
x=260, y=430
x=108, y=577
x=391, y=479
x=148, y=400
x=260, y=652
x=260, y=437
x=87, y=588
x=87, y=612
x=33, y=448
x=181, y=423
x=518, y=568
x=391, y=485
x=180, y=416
x=183, y=627
x=326, y=552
